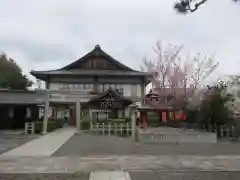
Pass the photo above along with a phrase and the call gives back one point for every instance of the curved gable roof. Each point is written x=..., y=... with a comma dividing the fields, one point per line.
x=96, y=52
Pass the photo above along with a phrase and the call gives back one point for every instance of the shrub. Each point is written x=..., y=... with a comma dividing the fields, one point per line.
x=128, y=120
x=86, y=118
x=117, y=120
x=52, y=125
x=153, y=121
x=85, y=124
x=60, y=121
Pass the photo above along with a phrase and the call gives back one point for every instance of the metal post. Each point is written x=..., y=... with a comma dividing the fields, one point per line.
x=33, y=128
x=109, y=129
x=103, y=130
x=121, y=129
x=98, y=131
x=115, y=128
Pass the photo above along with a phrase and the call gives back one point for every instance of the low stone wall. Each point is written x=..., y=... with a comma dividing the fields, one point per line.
x=175, y=135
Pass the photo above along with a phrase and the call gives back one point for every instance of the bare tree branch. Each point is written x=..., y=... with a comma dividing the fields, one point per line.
x=175, y=77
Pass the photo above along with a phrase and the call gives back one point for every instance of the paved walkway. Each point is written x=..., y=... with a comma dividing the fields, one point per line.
x=109, y=175
x=11, y=141
x=123, y=163
x=43, y=146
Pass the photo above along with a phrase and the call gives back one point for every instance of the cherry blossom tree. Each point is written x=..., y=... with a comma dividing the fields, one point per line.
x=174, y=78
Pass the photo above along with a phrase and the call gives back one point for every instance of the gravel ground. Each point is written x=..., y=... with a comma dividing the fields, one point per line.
x=178, y=175
x=163, y=175
x=11, y=141
x=47, y=176
x=89, y=145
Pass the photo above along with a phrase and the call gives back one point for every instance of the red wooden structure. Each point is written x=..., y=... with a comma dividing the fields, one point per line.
x=155, y=103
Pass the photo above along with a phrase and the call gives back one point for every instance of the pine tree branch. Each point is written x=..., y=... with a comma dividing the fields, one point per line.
x=196, y=5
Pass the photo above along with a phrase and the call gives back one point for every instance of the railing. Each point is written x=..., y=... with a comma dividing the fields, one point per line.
x=123, y=129
x=226, y=132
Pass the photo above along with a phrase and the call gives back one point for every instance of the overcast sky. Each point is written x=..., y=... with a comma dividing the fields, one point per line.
x=48, y=34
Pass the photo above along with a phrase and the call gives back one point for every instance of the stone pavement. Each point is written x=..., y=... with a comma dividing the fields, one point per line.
x=43, y=146
x=126, y=163
x=134, y=175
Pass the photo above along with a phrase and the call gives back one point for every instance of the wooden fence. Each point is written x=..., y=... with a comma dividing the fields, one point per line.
x=29, y=127
x=123, y=129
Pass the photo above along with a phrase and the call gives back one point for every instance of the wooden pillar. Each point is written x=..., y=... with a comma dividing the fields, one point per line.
x=164, y=116
x=141, y=119
x=160, y=116
x=46, y=111
x=144, y=118
x=78, y=114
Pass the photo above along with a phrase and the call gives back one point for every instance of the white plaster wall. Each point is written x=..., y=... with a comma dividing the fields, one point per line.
x=120, y=114
x=55, y=86
x=126, y=90
x=126, y=112
x=139, y=90
x=50, y=112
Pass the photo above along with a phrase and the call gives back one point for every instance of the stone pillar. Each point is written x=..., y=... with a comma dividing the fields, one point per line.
x=134, y=127
x=126, y=112
x=46, y=111
x=78, y=114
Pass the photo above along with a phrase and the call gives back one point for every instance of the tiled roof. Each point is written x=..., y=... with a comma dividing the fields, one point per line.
x=72, y=69
x=21, y=97
x=97, y=52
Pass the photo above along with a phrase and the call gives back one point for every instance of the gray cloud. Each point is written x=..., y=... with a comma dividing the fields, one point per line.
x=36, y=51
x=57, y=32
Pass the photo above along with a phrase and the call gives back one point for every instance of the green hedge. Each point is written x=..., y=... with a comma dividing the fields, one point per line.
x=155, y=121
x=85, y=124
x=119, y=120
x=53, y=124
